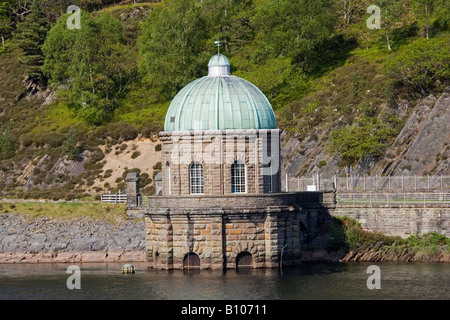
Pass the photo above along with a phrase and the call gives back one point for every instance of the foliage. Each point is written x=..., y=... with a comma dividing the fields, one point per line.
x=93, y=62
x=30, y=36
x=421, y=63
x=367, y=137
x=113, y=213
x=347, y=233
x=7, y=145
x=171, y=45
x=327, y=76
x=5, y=23
x=71, y=146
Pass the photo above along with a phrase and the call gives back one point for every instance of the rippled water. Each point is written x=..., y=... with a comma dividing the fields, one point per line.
x=308, y=281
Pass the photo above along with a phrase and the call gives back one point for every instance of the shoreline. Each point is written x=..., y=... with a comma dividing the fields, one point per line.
x=128, y=256
x=73, y=257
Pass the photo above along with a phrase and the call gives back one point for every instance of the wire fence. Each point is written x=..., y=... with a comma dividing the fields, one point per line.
x=393, y=199
x=369, y=183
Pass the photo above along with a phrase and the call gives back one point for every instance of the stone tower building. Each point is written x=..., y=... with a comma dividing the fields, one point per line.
x=221, y=204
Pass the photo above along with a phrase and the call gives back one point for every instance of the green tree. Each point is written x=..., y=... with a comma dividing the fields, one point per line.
x=71, y=146
x=367, y=137
x=5, y=22
x=269, y=76
x=93, y=62
x=421, y=63
x=30, y=36
x=390, y=12
x=172, y=45
x=425, y=10
x=431, y=12
x=293, y=28
x=7, y=145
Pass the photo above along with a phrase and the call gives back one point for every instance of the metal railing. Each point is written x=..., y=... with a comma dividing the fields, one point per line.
x=393, y=199
x=369, y=183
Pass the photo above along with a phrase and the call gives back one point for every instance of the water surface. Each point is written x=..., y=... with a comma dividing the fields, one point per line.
x=308, y=281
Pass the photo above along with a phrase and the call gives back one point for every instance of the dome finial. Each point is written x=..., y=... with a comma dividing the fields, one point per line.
x=217, y=43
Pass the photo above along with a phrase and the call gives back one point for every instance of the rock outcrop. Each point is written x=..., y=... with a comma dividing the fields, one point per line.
x=422, y=147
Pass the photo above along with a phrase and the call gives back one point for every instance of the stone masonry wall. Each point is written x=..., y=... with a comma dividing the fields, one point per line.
x=401, y=221
x=216, y=154
x=219, y=228
x=217, y=238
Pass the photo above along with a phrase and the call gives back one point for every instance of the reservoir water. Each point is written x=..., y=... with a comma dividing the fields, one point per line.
x=308, y=281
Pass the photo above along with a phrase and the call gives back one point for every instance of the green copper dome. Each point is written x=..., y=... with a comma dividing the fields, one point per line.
x=219, y=101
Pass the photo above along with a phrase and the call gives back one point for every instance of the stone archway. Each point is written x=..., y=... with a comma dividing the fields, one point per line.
x=191, y=261
x=244, y=260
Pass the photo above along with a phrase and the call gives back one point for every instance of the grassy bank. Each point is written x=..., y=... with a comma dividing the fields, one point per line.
x=368, y=246
x=113, y=213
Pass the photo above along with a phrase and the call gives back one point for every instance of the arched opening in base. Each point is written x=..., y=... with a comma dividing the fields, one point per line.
x=244, y=260
x=191, y=261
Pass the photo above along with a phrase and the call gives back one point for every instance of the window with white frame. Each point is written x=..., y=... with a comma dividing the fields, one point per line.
x=196, y=177
x=237, y=177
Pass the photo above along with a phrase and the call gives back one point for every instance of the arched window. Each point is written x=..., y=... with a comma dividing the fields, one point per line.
x=237, y=177
x=196, y=177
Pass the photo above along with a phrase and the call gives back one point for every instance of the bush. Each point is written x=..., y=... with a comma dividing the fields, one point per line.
x=126, y=171
x=135, y=154
x=157, y=166
x=421, y=63
x=7, y=145
x=158, y=147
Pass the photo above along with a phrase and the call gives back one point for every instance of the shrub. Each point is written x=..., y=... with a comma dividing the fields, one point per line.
x=135, y=154
x=421, y=63
x=7, y=145
x=158, y=147
x=157, y=166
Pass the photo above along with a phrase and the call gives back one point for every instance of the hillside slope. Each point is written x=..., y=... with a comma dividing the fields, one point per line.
x=422, y=147
x=341, y=97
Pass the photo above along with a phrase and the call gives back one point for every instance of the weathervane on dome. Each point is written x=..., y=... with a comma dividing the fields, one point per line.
x=217, y=43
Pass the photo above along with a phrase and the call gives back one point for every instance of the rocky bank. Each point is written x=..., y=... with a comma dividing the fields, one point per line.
x=76, y=240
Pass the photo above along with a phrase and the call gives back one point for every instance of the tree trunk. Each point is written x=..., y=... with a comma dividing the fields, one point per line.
x=387, y=38
x=427, y=28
